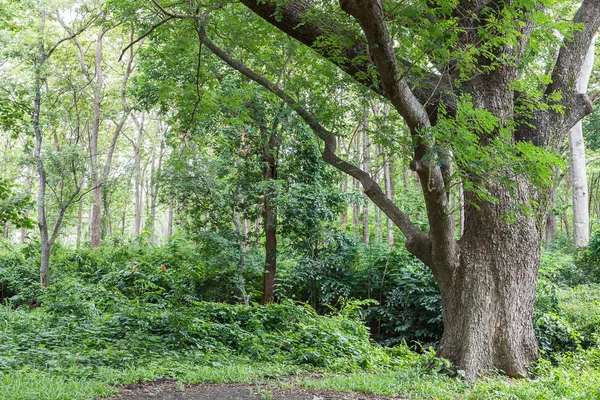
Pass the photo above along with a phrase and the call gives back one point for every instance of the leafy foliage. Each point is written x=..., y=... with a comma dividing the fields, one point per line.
x=14, y=206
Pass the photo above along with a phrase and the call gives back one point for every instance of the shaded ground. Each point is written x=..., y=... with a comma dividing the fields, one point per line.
x=171, y=390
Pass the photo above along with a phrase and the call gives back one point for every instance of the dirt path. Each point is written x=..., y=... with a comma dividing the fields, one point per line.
x=171, y=390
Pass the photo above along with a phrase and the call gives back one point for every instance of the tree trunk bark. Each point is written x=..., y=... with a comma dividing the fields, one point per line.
x=344, y=184
x=28, y=192
x=488, y=302
x=41, y=198
x=388, y=176
x=461, y=205
x=240, y=281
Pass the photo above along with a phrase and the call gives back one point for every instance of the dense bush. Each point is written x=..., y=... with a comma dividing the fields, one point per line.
x=408, y=304
x=18, y=275
x=567, y=313
x=178, y=272
x=90, y=326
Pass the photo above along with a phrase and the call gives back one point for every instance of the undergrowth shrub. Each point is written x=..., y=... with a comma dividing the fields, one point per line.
x=97, y=325
x=19, y=276
x=566, y=313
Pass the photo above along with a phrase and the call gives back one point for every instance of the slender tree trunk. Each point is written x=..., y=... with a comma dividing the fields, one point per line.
x=344, y=185
x=269, y=219
x=95, y=225
x=551, y=218
x=123, y=218
x=152, y=197
x=581, y=212
x=366, y=166
x=343, y=188
x=154, y=189
x=170, y=220
x=357, y=188
x=565, y=216
x=79, y=223
x=240, y=281
x=389, y=192
x=137, y=177
x=257, y=227
x=247, y=223
x=461, y=205
x=28, y=184
x=41, y=198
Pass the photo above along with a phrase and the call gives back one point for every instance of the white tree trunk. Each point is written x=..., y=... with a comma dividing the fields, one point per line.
x=581, y=215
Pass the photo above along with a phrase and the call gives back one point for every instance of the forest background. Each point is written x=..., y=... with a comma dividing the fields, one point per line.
x=151, y=197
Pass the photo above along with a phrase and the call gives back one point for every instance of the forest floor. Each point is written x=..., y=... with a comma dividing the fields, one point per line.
x=171, y=390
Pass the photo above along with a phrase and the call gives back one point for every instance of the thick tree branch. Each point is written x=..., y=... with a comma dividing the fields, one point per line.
x=370, y=16
x=572, y=54
x=292, y=19
x=564, y=76
x=296, y=19
x=417, y=242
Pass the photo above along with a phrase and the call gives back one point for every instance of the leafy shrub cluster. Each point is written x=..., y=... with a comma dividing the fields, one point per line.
x=126, y=305
x=567, y=309
x=407, y=303
x=91, y=326
x=18, y=275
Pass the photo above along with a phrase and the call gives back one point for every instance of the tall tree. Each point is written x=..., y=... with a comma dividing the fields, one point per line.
x=39, y=59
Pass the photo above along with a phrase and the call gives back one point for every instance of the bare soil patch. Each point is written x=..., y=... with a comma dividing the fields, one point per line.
x=164, y=389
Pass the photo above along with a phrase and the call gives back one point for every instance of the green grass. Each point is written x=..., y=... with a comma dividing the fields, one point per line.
x=34, y=385
x=575, y=377
x=406, y=383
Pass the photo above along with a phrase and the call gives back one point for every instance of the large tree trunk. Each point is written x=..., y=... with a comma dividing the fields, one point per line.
x=488, y=302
